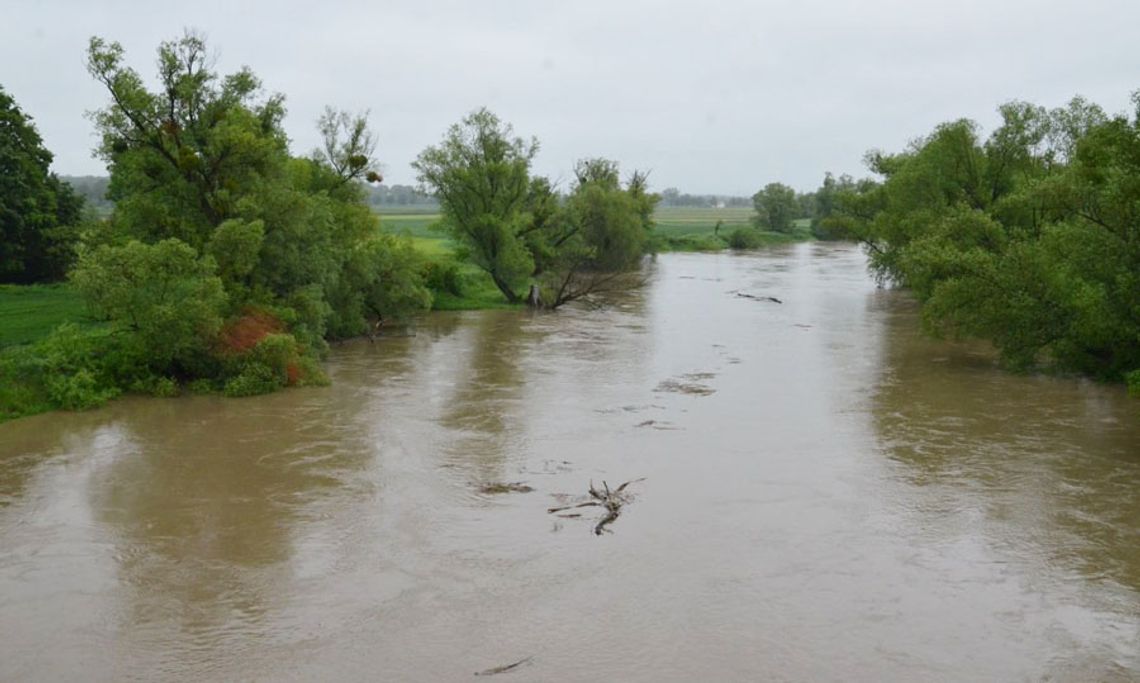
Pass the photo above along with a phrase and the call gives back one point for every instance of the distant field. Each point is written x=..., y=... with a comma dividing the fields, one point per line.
x=29, y=313
x=414, y=224
x=683, y=220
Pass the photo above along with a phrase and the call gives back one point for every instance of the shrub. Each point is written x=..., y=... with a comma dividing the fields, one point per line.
x=744, y=238
x=443, y=276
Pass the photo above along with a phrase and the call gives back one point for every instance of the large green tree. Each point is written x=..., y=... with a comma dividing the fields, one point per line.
x=601, y=234
x=514, y=226
x=1029, y=238
x=776, y=207
x=39, y=214
x=204, y=159
x=480, y=172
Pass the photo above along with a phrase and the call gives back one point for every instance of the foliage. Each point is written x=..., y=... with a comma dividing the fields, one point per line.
x=28, y=313
x=162, y=296
x=744, y=238
x=600, y=236
x=1029, y=238
x=776, y=208
x=481, y=174
x=515, y=228
x=39, y=214
x=266, y=367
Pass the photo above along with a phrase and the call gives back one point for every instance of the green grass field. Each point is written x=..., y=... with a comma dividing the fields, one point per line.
x=682, y=220
x=29, y=313
x=414, y=224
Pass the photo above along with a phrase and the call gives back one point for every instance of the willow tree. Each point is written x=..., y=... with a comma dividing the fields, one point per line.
x=516, y=228
x=480, y=172
x=204, y=159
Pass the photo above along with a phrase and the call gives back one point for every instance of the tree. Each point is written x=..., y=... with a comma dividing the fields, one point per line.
x=39, y=214
x=167, y=299
x=513, y=226
x=204, y=160
x=481, y=174
x=1027, y=238
x=604, y=232
x=776, y=207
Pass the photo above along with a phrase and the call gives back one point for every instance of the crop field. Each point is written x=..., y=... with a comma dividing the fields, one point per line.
x=414, y=224
x=674, y=221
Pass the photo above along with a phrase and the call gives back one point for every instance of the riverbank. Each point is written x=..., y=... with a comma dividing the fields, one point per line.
x=39, y=371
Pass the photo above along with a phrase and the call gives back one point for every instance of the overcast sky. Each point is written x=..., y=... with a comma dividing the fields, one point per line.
x=713, y=97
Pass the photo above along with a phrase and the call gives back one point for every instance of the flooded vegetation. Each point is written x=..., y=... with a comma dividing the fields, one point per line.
x=827, y=495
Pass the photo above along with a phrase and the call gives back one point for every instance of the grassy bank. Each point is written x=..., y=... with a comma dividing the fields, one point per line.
x=29, y=313
x=709, y=229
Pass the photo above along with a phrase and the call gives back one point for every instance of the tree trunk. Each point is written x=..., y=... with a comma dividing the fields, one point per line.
x=534, y=298
x=505, y=289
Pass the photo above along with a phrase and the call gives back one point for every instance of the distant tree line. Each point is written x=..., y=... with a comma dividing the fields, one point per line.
x=379, y=196
x=93, y=189
x=671, y=196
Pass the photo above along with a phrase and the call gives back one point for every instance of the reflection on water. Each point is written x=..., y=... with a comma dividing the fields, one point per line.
x=844, y=499
x=1042, y=465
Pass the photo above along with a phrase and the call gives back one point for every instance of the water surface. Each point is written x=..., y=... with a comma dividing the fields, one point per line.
x=828, y=495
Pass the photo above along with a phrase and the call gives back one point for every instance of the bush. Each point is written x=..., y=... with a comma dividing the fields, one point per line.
x=275, y=362
x=79, y=390
x=443, y=276
x=162, y=387
x=744, y=238
x=1133, y=380
x=253, y=380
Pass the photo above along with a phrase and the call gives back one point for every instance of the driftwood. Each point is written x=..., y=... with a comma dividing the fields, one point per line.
x=746, y=295
x=506, y=668
x=610, y=501
x=497, y=487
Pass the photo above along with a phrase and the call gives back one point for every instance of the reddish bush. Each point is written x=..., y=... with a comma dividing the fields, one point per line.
x=244, y=332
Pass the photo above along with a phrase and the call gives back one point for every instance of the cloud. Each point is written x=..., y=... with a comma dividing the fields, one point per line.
x=720, y=97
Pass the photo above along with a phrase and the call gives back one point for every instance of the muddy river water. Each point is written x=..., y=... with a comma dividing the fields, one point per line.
x=827, y=496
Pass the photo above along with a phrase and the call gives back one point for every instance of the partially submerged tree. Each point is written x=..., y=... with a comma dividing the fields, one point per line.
x=1027, y=238
x=39, y=214
x=604, y=233
x=514, y=227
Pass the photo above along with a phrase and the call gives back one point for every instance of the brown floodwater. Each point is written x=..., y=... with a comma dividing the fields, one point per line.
x=827, y=496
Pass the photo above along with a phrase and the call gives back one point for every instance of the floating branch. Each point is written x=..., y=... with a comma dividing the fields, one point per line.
x=505, y=668
x=746, y=295
x=610, y=500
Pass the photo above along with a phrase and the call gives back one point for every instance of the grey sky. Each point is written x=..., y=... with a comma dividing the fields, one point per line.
x=712, y=97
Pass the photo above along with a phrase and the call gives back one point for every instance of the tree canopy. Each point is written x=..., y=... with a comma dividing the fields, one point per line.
x=39, y=213
x=776, y=207
x=516, y=228
x=220, y=238
x=1029, y=237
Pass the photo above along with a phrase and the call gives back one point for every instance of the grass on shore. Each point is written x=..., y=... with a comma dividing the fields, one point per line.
x=29, y=313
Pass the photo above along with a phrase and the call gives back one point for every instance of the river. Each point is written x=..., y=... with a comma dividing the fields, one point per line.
x=819, y=492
